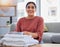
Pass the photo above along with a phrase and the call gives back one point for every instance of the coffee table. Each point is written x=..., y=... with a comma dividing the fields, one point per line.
x=46, y=45
x=40, y=45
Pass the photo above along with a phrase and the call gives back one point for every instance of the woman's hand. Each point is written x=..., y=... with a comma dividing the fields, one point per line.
x=26, y=33
x=34, y=35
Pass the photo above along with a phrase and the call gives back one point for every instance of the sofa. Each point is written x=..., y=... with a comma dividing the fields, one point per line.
x=53, y=33
x=50, y=36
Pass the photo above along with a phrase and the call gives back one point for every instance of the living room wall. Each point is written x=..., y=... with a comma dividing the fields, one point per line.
x=50, y=10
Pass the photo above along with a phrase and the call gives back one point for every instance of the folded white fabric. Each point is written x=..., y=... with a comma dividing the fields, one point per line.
x=14, y=39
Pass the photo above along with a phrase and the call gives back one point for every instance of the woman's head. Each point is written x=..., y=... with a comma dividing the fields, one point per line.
x=30, y=8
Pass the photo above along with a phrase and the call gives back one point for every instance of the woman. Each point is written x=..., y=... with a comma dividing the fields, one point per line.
x=31, y=25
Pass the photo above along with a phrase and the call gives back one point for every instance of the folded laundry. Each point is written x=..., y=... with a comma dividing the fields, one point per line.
x=16, y=39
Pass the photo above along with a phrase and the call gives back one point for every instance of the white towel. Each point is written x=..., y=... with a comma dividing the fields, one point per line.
x=18, y=40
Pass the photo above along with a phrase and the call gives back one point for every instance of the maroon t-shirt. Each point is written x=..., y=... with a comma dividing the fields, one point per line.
x=34, y=25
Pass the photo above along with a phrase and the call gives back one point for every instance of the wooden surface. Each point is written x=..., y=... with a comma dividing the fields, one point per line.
x=46, y=45
x=41, y=45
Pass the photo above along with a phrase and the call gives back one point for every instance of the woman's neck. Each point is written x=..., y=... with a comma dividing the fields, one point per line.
x=30, y=17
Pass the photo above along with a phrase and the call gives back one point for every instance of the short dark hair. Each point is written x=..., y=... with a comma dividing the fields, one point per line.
x=30, y=3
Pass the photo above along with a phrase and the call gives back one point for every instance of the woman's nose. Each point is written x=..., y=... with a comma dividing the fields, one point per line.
x=30, y=8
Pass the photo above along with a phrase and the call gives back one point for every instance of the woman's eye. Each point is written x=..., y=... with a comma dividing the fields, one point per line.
x=28, y=6
x=32, y=7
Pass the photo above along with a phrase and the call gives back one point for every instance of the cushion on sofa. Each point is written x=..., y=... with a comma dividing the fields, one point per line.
x=13, y=27
x=45, y=28
x=56, y=38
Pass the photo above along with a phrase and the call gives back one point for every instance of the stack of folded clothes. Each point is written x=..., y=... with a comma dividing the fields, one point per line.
x=18, y=39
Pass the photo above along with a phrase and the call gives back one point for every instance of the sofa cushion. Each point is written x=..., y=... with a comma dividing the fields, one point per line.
x=51, y=37
x=56, y=38
x=53, y=27
x=47, y=37
x=45, y=28
x=13, y=27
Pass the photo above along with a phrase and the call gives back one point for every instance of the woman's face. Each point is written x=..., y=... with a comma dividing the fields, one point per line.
x=30, y=9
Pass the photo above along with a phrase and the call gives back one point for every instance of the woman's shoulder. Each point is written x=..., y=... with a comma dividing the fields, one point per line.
x=40, y=19
x=21, y=19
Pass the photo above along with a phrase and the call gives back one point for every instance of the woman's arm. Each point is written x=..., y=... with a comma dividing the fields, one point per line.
x=34, y=35
x=18, y=28
x=39, y=31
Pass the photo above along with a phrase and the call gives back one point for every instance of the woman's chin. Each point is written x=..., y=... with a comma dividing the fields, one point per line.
x=31, y=15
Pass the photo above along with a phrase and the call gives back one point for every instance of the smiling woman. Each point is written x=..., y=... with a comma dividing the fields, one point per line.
x=31, y=25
